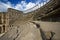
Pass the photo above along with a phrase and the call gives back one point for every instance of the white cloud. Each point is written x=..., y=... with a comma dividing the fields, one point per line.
x=4, y=6
x=29, y=5
x=20, y=6
x=24, y=6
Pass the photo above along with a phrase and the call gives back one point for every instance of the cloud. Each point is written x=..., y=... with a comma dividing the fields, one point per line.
x=35, y=6
x=29, y=5
x=20, y=6
x=4, y=6
x=24, y=6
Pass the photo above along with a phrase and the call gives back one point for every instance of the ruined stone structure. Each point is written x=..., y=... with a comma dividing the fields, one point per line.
x=13, y=15
x=48, y=11
x=8, y=18
x=3, y=22
x=35, y=25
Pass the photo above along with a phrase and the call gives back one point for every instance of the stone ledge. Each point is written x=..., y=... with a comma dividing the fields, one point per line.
x=2, y=34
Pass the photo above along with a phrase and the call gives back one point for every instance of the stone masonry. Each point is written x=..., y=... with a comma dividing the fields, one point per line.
x=20, y=26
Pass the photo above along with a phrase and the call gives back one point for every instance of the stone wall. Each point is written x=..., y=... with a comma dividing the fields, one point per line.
x=53, y=16
x=51, y=26
x=46, y=9
x=4, y=22
x=13, y=15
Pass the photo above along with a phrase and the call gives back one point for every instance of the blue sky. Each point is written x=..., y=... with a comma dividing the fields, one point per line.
x=21, y=5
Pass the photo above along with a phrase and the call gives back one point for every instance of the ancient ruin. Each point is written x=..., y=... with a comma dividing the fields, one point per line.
x=40, y=24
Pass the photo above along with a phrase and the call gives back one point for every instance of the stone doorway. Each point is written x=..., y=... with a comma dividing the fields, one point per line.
x=0, y=30
x=3, y=28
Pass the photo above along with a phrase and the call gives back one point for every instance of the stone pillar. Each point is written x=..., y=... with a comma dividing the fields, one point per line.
x=2, y=29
